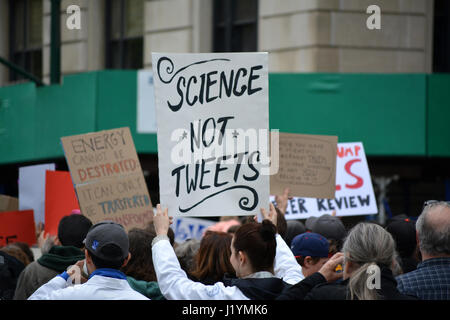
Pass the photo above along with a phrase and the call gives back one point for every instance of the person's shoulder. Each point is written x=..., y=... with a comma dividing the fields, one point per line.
x=328, y=291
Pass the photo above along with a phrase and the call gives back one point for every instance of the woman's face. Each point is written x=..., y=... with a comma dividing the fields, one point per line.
x=234, y=259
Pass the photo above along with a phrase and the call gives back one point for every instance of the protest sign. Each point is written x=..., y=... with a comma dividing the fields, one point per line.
x=8, y=203
x=186, y=228
x=212, y=117
x=307, y=164
x=146, y=114
x=32, y=189
x=17, y=226
x=60, y=199
x=354, y=190
x=108, y=178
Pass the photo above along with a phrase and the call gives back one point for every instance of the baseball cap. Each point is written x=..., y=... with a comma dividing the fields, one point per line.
x=108, y=241
x=404, y=233
x=310, y=244
x=330, y=227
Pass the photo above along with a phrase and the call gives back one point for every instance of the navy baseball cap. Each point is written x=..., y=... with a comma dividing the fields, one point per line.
x=310, y=244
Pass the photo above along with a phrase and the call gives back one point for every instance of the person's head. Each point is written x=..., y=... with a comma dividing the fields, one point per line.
x=311, y=251
x=404, y=233
x=253, y=248
x=293, y=229
x=331, y=227
x=106, y=246
x=25, y=248
x=186, y=252
x=17, y=253
x=212, y=260
x=72, y=230
x=433, y=230
x=367, y=245
x=140, y=265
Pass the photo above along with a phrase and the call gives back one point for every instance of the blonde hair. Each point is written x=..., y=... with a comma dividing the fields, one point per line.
x=367, y=244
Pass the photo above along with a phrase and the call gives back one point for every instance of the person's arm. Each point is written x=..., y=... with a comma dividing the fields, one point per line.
x=173, y=281
x=49, y=290
x=327, y=273
x=285, y=265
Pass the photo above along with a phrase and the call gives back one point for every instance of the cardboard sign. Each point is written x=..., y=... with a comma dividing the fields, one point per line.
x=307, y=165
x=146, y=113
x=354, y=190
x=108, y=178
x=189, y=228
x=8, y=203
x=212, y=116
x=17, y=226
x=60, y=199
x=32, y=189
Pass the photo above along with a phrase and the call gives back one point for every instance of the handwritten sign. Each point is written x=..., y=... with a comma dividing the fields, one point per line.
x=212, y=117
x=8, y=203
x=307, y=165
x=60, y=199
x=32, y=189
x=186, y=228
x=108, y=178
x=17, y=226
x=354, y=190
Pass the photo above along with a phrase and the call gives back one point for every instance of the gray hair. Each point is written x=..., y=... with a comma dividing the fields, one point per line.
x=434, y=236
x=367, y=244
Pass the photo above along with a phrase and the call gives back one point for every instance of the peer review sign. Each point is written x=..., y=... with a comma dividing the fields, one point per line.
x=108, y=178
x=354, y=191
x=212, y=118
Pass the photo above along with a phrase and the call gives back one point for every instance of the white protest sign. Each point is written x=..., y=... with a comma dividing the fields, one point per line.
x=186, y=228
x=32, y=189
x=354, y=191
x=212, y=116
x=146, y=114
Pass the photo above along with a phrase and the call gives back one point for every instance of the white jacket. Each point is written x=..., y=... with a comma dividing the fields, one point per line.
x=96, y=288
x=175, y=285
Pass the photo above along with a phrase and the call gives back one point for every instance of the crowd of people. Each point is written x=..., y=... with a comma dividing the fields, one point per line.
x=239, y=258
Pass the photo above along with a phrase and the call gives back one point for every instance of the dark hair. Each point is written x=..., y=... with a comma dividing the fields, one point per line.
x=17, y=253
x=109, y=250
x=212, y=260
x=72, y=230
x=257, y=240
x=301, y=260
x=140, y=265
x=25, y=248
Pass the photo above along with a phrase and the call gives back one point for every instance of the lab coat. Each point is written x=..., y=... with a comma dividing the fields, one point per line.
x=175, y=285
x=96, y=288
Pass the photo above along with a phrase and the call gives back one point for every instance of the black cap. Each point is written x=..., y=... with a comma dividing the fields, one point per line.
x=404, y=233
x=330, y=227
x=108, y=241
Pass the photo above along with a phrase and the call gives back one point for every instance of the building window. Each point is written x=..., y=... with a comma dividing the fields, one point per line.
x=235, y=25
x=441, y=39
x=124, y=34
x=26, y=36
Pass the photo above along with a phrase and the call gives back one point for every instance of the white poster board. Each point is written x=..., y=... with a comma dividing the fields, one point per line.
x=146, y=114
x=212, y=116
x=190, y=228
x=32, y=189
x=354, y=190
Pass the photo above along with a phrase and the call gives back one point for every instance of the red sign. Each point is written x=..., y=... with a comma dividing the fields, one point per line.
x=60, y=199
x=17, y=226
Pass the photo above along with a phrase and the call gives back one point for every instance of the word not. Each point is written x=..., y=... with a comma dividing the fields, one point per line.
x=373, y=21
x=137, y=201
